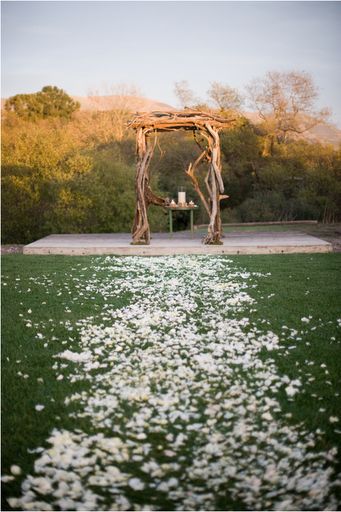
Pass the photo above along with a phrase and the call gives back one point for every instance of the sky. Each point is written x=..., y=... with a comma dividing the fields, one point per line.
x=88, y=46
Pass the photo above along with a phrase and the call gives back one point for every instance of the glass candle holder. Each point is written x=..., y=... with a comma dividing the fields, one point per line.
x=181, y=196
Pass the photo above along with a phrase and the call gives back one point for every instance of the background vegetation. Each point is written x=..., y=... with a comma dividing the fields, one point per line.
x=69, y=171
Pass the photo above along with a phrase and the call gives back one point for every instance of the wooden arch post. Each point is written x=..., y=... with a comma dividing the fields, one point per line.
x=208, y=126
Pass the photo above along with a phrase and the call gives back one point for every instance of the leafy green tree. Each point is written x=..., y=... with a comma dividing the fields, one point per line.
x=301, y=181
x=49, y=102
x=39, y=159
x=242, y=162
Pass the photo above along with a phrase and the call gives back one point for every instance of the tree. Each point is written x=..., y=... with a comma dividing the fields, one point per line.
x=224, y=96
x=39, y=160
x=118, y=101
x=49, y=102
x=184, y=94
x=24, y=105
x=285, y=103
x=242, y=161
x=56, y=102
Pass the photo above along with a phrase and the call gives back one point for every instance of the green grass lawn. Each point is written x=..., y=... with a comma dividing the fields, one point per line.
x=207, y=383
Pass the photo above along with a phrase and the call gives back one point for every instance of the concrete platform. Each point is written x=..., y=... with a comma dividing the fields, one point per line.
x=181, y=243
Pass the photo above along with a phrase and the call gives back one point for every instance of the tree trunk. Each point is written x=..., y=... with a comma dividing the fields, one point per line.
x=190, y=172
x=215, y=186
x=141, y=231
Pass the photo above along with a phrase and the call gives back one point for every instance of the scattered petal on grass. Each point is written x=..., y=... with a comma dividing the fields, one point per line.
x=180, y=387
x=7, y=478
x=75, y=356
x=39, y=407
x=13, y=502
x=136, y=484
x=15, y=470
x=36, y=450
x=290, y=390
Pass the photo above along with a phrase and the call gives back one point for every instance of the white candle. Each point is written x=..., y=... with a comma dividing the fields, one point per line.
x=182, y=197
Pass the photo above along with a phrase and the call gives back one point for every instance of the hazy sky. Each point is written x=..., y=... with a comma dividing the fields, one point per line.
x=82, y=46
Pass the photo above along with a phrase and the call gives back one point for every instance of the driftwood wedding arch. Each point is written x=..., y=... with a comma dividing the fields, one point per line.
x=201, y=123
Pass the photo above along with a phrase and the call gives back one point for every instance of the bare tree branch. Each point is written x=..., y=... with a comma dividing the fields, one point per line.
x=285, y=103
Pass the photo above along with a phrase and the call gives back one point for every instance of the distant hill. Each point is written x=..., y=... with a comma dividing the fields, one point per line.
x=131, y=103
x=324, y=133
